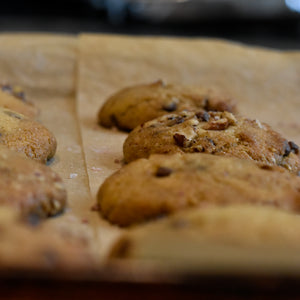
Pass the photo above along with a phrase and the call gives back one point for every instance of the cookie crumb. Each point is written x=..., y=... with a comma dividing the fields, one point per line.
x=96, y=169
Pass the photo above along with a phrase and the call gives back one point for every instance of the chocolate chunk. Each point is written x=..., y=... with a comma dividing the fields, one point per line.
x=212, y=142
x=170, y=106
x=294, y=147
x=203, y=116
x=6, y=88
x=206, y=105
x=266, y=167
x=20, y=95
x=175, y=120
x=179, y=120
x=163, y=172
x=287, y=148
x=179, y=139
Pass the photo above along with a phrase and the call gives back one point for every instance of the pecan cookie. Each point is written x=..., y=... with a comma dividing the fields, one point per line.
x=14, y=98
x=30, y=187
x=163, y=184
x=219, y=133
x=214, y=234
x=138, y=104
x=22, y=134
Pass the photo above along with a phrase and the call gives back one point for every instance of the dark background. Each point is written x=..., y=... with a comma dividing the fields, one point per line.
x=75, y=16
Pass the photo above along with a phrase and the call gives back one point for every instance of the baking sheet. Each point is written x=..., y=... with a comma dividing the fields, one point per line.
x=69, y=78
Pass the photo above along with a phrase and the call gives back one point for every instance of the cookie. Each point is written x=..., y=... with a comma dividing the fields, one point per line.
x=28, y=186
x=22, y=134
x=15, y=99
x=138, y=104
x=219, y=133
x=163, y=184
x=215, y=236
x=45, y=245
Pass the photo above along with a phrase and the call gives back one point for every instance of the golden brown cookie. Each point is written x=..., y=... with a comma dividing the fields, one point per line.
x=163, y=184
x=13, y=98
x=140, y=103
x=22, y=134
x=215, y=236
x=44, y=245
x=219, y=133
x=29, y=186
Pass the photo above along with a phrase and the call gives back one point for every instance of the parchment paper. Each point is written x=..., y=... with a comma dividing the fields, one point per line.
x=45, y=66
x=55, y=71
x=265, y=84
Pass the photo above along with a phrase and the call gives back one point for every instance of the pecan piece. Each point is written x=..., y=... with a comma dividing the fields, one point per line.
x=179, y=139
x=220, y=124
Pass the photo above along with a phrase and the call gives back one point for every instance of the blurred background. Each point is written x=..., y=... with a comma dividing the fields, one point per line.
x=269, y=23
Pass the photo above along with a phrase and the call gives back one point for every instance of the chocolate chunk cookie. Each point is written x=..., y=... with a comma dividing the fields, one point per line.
x=30, y=187
x=22, y=134
x=138, y=104
x=163, y=184
x=215, y=234
x=14, y=98
x=219, y=133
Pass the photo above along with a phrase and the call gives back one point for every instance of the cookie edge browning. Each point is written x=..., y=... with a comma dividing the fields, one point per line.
x=116, y=210
x=108, y=115
x=286, y=154
x=49, y=142
x=49, y=196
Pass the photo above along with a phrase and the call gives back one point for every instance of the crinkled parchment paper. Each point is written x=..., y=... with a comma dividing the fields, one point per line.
x=55, y=71
x=265, y=84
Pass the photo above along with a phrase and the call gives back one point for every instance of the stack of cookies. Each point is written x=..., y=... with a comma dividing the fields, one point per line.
x=189, y=152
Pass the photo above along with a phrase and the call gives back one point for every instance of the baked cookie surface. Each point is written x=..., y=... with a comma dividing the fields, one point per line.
x=138, y=104
x=219, y=133
x=28, y=186
x=14, y=98
x=214, y=233
x=163, y=184
x=44, y=245
x=22, y=134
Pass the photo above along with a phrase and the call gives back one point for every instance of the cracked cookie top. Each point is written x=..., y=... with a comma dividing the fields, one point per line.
x=218, y=133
